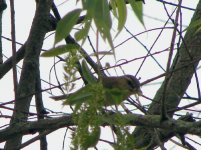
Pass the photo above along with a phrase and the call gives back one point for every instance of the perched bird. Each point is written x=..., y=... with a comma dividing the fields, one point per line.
x=115, y=90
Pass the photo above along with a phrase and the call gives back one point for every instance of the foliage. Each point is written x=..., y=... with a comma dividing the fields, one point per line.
x=90, y=102
x=90, y=109
x=99, y=12
x=87, y=132
x=66, y=24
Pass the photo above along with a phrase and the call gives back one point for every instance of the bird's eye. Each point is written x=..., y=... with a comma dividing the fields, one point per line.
x=130, y=84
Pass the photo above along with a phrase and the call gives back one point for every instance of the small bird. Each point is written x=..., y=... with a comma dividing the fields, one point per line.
x=116, y=90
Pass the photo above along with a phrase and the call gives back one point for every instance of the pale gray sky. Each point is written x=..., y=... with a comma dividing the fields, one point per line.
x=24, y=12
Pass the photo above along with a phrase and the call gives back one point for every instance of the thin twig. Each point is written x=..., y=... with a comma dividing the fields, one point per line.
x=34, y=139
x=168, y=76
x=13, y=46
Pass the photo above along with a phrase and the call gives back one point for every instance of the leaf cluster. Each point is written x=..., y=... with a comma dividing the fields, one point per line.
x=89, y=101
x=98, y=12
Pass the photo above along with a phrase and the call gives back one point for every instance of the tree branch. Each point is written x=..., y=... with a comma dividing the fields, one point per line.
x=151, y=121
x=29, y=69
x=180, y=80
x=3, y=6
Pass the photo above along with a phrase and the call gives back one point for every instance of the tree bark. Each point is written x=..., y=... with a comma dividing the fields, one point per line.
x=183, y=68
x=150, y=121
x=29, y=70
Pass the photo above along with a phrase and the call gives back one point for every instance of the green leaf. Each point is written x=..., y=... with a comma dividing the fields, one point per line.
x=137, y=7
x=66, y=24
x=103, y=21
x=122, y=14
x=105, y=32
x=89, y=94
x=60, y=50
x=91, y=138
x=102, y=14
x=83, y=33
x=115, y=96
x=78, y=97
x=88, y=75
x=114, y=7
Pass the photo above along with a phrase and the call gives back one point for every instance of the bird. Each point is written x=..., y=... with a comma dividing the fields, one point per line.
x=115, y=90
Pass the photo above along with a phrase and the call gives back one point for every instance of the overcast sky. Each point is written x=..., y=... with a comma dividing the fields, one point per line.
x=154, y=17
